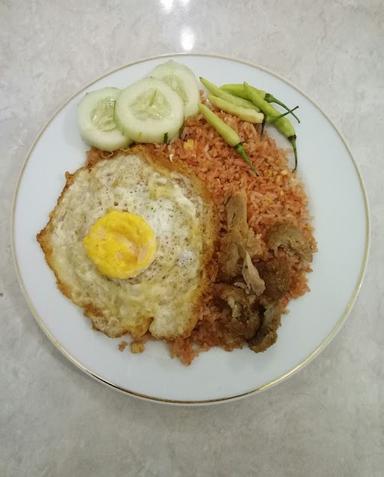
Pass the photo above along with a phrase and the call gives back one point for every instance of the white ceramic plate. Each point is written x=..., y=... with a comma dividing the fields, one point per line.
x=339, y=207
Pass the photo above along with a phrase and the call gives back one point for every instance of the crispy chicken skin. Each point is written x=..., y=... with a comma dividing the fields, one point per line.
x=239, y=239
x=277, y=277
x=245, y=319
x=251, y=276
x=290, y=238
x=267, y=333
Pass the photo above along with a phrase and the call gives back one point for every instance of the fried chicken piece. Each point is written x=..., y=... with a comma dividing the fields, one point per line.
x=236, y=298
x=267, y=333
x=245, y=319
x=236, y=208
x=291, y=238
x=239, y=239
x=277, y=277
x=230, y=258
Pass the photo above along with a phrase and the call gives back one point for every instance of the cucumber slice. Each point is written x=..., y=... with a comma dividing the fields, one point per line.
x=182, y=80
x=95, y=117
x=149, y=109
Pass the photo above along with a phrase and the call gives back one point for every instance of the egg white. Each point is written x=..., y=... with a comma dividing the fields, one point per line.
x=163, y=297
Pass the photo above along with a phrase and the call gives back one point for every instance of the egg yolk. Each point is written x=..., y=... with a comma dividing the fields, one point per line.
x=120, y=244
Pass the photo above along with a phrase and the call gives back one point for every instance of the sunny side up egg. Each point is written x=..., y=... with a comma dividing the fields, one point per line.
x=130, y=241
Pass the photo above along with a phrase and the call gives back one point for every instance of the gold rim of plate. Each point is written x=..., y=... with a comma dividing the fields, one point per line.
x=264, y=387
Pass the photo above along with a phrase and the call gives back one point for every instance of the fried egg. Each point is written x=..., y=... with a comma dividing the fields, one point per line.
x=129, y=241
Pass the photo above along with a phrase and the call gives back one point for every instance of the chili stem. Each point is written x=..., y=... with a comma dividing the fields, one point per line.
x=271, y=99
x=241, y=151
x=273, y=120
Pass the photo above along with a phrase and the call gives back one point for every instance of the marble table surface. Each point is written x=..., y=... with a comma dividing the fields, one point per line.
x=327, y=420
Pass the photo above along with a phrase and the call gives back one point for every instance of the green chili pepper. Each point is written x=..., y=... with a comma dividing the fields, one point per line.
x=229, y=135
x=237, y=89
x=216, y=91
x=246, y=114
x=272, y=116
